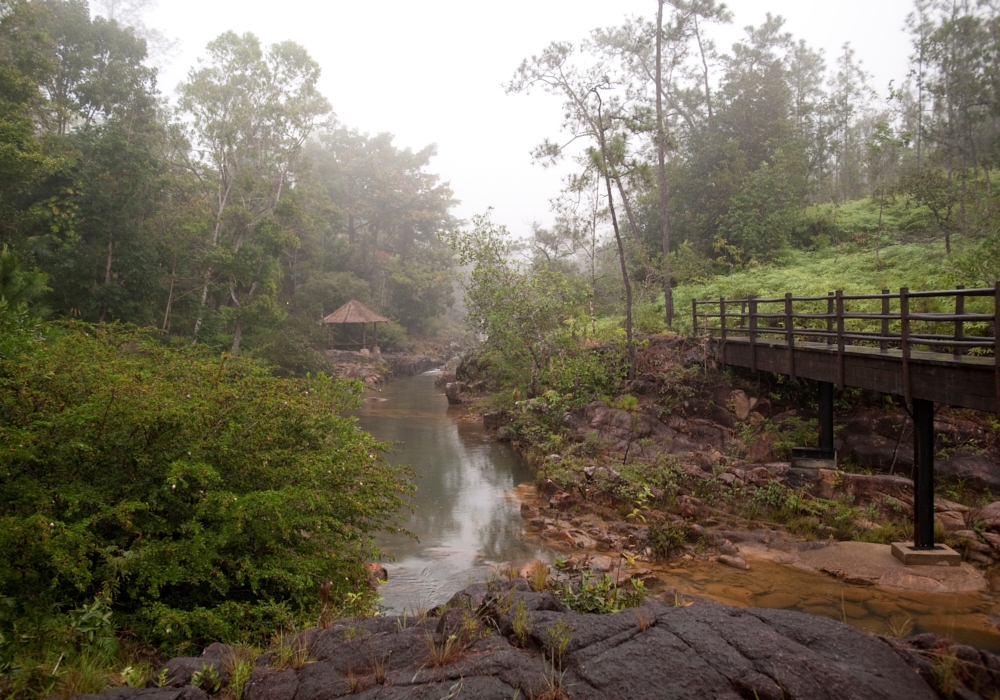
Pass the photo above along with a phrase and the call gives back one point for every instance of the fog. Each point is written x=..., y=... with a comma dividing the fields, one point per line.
x=432, y=72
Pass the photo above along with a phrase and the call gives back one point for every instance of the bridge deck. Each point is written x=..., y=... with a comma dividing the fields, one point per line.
x=888, y=342
x=966, y=381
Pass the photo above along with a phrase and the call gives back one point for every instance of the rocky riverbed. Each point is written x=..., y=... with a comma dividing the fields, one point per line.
x=501, y=639
x=689, y=471
x=374, y=368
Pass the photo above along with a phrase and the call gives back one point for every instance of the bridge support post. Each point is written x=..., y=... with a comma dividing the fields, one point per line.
x=923, y=475
x=806, y=461
x=923, y=551
x=826, y=419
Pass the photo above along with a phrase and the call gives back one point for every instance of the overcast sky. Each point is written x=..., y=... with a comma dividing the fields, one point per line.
x=432, y=71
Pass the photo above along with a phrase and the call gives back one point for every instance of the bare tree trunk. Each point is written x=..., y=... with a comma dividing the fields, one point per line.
x=630, y=343
x=705, y=74
x=629, y=340
x=107, y=267
x=237, y=336
x=661, y=147
x=201, y=307
x=107, y=272
x=170, y=295
x=223, y=202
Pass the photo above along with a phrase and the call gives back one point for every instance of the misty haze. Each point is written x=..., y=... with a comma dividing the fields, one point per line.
x=666, y=322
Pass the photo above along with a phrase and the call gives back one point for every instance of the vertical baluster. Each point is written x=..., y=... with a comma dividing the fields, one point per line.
x=996, y=340
x=829, y=318
x=904, y=318
x=840, y=338
x=694, y=316
x=883, y=345
x=790, y=334
x=958, y=350
x=753, y=332
x=722, y=316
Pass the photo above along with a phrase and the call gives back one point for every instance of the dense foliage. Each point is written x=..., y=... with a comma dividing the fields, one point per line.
x=527, y=316
x=241, y=218
x=198, y=497
x=721, y=160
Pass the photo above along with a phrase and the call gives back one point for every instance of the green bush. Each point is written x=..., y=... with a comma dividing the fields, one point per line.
x=201, y=497
x=602, y=596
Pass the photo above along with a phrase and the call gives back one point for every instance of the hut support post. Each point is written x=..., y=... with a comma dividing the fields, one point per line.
x=923, y=479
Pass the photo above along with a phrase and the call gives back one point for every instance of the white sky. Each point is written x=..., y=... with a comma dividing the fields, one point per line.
x=431, y=71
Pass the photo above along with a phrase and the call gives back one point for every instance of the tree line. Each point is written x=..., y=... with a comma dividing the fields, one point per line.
x=690, y=160
x=237, y=217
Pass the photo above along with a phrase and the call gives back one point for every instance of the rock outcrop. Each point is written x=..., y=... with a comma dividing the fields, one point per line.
x=501, y=640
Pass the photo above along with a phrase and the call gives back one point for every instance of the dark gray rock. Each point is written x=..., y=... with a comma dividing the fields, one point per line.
x=271, y=684
x=656, y=651
x=181, y=669
x=167, y=693
x=409, y=365
x=453, y=390
x=495, y=419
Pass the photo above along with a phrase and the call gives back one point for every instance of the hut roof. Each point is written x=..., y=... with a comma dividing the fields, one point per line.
x=354, y=312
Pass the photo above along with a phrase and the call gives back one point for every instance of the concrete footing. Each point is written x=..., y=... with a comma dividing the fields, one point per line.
x=941, y=555
x=813, y=458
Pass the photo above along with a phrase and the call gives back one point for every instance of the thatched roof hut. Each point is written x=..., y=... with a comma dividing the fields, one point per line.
x=356, y=312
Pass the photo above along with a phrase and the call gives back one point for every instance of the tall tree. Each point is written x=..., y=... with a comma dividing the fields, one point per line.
x=597, y=112
x=661, y=170
x=250, y=112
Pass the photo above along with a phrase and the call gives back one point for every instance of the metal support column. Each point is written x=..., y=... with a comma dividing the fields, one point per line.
x=826, y=419
x=923, y=475
x=808, y=456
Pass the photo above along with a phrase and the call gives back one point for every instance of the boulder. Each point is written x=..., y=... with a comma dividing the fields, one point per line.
x=989, y=515
x=494, y=419
x=563, y=501
x=741, y=404
x=271, y=684
x=181, y=669
x=453, y=390
x=377, y=572
x=951, y=520
x=733, y=561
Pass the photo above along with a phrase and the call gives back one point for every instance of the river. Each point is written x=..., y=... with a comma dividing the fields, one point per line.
x=465, y=515
x=466, y=518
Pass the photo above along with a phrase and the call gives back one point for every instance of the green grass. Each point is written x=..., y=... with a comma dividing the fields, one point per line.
x=918, y=266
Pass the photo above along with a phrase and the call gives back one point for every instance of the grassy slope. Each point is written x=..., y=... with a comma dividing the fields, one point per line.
x=915, y=265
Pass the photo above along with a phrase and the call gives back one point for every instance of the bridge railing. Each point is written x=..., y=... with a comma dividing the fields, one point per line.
x=907, y=321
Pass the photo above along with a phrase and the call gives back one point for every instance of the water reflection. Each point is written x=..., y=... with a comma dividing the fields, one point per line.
x=463, y=519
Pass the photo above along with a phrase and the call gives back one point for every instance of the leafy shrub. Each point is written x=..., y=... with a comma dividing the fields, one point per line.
x=201, y=497
x=664, y=539
x=601, y=596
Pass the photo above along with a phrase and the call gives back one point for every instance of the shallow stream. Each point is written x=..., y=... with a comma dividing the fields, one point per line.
x=465, y=514
x=467, y=520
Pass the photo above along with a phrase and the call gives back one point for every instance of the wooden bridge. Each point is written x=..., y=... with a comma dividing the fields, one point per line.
x=926, y=347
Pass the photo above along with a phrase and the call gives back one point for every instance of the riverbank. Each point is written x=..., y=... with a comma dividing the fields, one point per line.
x=688, y=469
x=501, y=639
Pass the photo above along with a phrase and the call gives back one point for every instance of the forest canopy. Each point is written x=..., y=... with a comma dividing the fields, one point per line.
x=239, y=217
